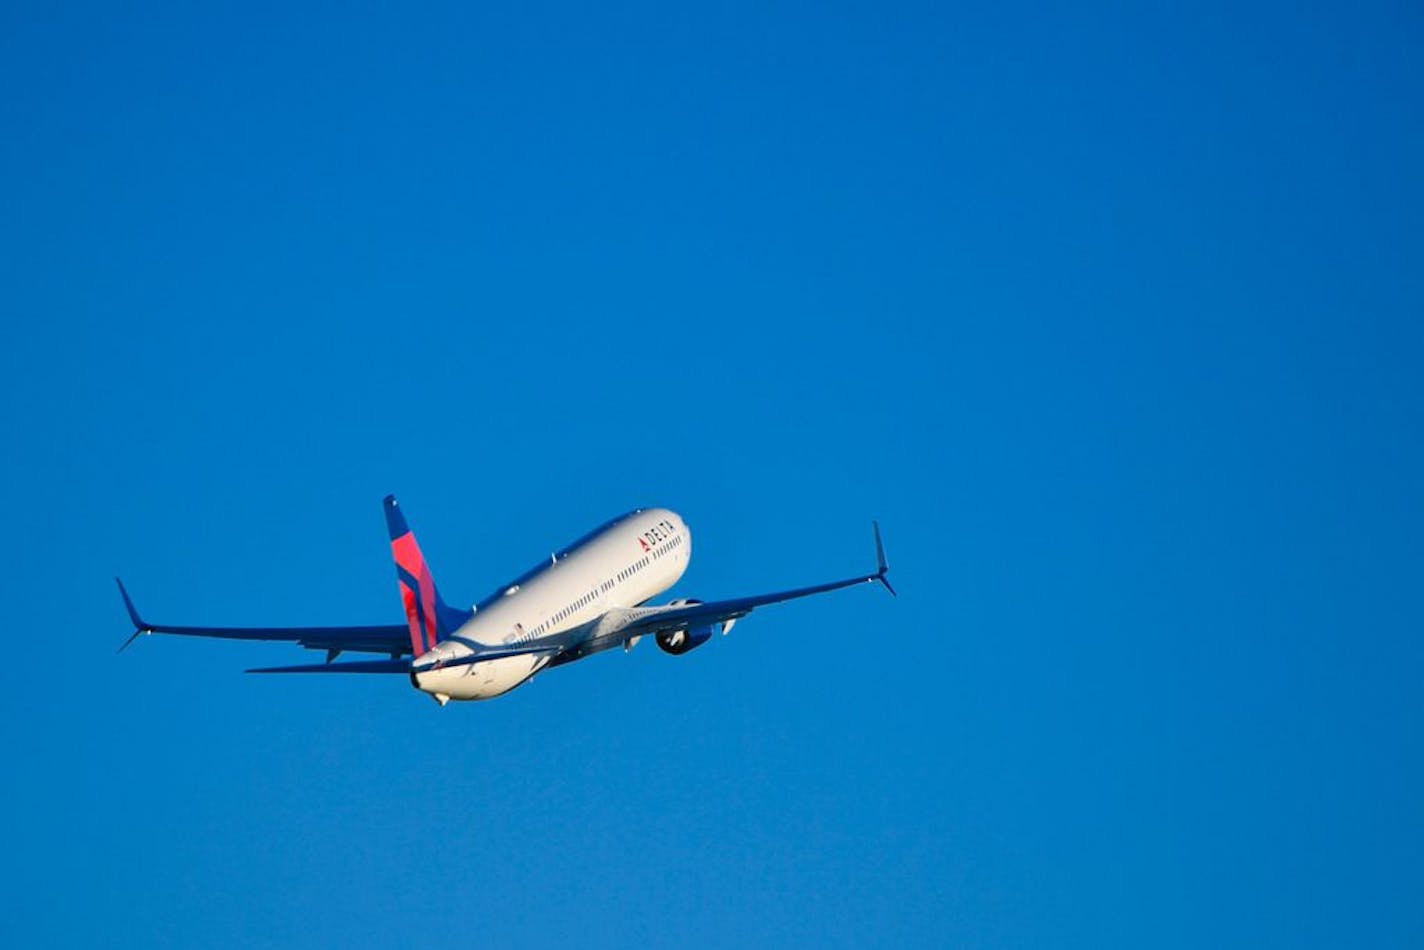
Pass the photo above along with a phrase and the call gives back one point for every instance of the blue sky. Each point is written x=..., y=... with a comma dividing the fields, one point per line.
x=1110, y=315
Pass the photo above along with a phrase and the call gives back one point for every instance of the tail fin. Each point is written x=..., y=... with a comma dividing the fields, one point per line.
x=431, y=619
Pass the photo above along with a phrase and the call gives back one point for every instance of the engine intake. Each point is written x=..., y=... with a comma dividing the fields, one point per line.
x=677, y=642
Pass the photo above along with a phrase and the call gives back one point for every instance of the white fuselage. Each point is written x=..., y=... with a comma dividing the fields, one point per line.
x=622, y=564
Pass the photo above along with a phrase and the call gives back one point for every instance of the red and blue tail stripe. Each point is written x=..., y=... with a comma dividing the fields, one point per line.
x=430, y=618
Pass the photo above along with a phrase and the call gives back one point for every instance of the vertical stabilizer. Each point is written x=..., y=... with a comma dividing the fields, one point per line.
x=430, y=618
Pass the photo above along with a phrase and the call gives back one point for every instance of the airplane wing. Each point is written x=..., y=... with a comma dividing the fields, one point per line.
x=393, y=639
x=644, y=620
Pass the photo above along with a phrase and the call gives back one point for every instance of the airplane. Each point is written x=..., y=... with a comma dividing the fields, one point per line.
x=587, y=598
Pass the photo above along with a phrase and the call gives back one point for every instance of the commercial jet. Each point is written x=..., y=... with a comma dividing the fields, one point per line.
x=592, y=596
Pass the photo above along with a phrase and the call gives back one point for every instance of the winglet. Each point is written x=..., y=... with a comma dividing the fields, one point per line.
x=140, y=627
x=881, y=568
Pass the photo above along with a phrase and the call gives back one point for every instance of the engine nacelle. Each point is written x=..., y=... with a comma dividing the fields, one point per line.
x=678, y=642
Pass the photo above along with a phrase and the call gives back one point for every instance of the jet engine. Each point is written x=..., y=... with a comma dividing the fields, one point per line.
x=678, y=642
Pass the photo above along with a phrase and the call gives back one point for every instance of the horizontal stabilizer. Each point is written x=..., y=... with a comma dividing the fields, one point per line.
x=489, y=653
x=348, y=666
x=408, y=666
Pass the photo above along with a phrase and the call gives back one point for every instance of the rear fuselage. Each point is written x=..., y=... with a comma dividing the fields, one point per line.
x=623, y=563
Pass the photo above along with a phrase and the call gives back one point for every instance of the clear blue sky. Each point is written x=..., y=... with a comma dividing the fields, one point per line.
x=1111, y=316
